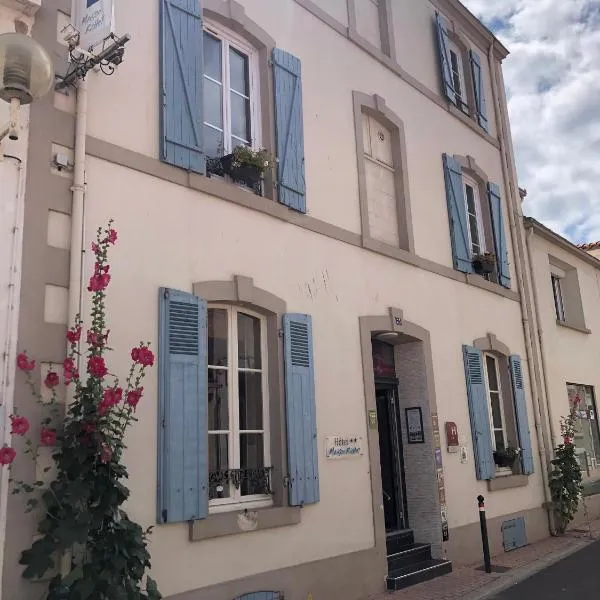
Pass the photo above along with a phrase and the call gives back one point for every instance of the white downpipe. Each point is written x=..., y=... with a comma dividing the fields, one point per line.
x=78, y=208
x=527, y=311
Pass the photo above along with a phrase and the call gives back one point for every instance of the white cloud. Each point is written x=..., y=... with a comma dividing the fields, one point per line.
x=553, y=81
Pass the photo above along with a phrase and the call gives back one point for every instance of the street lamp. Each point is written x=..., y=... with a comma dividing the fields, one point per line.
x=26, y=73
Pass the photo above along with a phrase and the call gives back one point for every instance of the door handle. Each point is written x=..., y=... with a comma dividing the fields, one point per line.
x=387, y=496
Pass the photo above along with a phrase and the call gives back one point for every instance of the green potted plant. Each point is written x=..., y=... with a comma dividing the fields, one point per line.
x=484, y=263
x=247, y=166
x=506, y=456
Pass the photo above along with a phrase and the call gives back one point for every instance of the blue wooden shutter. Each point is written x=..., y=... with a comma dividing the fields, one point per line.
x=444, y=53
x=521, y=414
x=481, y=431
x=182, y=399
x=499, y=235
x=289, y=130
x=181, y=84
x=457, y=215
x=261, y=596
x=300, y=410
x=478, y=89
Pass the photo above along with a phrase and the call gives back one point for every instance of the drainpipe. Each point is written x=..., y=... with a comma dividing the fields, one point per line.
x=540, y=331
x=526, y=312
x=77, y=211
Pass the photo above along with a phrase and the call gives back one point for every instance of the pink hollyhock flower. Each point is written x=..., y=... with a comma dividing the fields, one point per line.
x=98, y=282
x=7, y=455
x=567, y=440
x=24, y=363
x=112, y=397
x=69, y=370
x=47, y=437
x=74, y=335
x=111, y=238
x=106, y=453
x=134, y=396
x=95, y=248
x=96, y=366
x=52, y=380
x=142, y=355
x=19, y=425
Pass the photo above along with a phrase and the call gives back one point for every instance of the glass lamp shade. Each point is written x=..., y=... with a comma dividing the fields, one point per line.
x=26, y=71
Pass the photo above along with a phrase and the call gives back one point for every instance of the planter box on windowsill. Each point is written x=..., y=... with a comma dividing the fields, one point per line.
x=484, y=266
x=503, y=462
x=246, y=175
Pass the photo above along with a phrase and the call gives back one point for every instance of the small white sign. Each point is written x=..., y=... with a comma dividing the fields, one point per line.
x=94, y=19
x=343, y=446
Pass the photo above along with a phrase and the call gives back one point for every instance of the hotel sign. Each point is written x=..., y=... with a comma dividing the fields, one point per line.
x=343, y=446
x=94, y=19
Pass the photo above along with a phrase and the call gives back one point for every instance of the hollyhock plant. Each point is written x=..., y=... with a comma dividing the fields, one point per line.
x=87, y=443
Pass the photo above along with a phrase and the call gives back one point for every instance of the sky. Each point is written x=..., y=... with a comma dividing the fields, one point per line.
x=552, y=77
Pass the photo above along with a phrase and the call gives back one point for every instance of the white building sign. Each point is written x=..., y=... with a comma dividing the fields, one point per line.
x=94, y=19
x=343, y=446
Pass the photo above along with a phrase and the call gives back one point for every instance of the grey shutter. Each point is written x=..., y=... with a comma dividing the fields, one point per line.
x=444, y=55
x=181, y=84
x=303, y=464
x=478, y=89
x=499, y=235
x=481, y=431
x=289, y=130
x=182, y=401
x=521, y=414
x=457, y=215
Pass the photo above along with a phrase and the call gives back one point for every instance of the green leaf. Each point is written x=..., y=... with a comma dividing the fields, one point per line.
x=152, y=589
x=84, y=587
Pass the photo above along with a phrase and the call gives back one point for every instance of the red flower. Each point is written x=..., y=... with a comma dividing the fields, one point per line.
x=95, y=248
x=134, y=396
x=89, y=427
x=98, y=282
x=567, y=440
x=112, y=397
x=19, y=425
x=52, y=380
x=112, y=236
x=96, y=366
x=106, y=453
x=142, y=355
x=7, y=455
x=24, y=363
x=47, y=437
x=74, y=335
x=69, y=370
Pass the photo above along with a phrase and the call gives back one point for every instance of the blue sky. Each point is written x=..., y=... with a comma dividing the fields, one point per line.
x=553, y=81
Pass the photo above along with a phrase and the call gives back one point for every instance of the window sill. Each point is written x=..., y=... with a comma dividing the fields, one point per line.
x=574, y=327
x=507, y=482
x=231, y=523
x=480, y=282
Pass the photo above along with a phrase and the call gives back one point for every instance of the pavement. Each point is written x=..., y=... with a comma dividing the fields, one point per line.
x=578, y=548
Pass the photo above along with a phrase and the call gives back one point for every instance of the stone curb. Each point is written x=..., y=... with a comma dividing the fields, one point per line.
x=521, y=573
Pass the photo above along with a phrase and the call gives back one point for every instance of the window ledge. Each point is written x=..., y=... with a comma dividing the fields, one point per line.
x=231, y=523
x=574, y=327
x=507, y=482
x=478, y=281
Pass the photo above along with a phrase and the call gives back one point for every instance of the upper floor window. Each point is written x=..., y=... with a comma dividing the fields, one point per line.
x=231, y=95
x=238, y=436
x=566, y=294
x=559, y=304
x=495, y=402
x=458, y=78
x=474, y=216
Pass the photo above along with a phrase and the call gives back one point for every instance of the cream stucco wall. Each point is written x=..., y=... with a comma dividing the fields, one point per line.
x=203, y=238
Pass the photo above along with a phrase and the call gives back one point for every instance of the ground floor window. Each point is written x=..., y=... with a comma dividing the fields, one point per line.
x=587, y=432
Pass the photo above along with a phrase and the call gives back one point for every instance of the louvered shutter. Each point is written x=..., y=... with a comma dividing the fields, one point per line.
x=444, y=57
x=499, y=235
x=181, y=84
x=457, y=215
x=182, y=399
x=289, y=130
x=478, y=89
x=481, y=432
x=521, y=414
x=301, y=419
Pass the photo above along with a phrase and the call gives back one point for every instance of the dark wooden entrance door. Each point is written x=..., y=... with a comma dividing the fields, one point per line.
x=390, y=456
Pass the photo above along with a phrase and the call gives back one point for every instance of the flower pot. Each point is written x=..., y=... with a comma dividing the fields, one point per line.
x=503, y=461
x=483, y=267
x=248, y=175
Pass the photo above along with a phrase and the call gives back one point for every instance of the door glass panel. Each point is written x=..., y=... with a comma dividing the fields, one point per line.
x=248, y=342
x=217, y=462
x=218, y=406
x=251, y=458
x=217, y=337
x=250, y=391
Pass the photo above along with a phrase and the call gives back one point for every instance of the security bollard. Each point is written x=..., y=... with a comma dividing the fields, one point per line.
x=484, y=535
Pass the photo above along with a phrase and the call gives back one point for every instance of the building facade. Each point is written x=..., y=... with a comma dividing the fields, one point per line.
x=343, y=361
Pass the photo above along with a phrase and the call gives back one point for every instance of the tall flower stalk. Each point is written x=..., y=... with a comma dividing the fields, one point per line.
x=80, y=511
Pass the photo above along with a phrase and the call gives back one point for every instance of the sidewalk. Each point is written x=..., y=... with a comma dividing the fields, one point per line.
x=469, y=583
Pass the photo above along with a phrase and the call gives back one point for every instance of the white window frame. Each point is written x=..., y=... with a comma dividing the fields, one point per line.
x=467, y=181
x=229, y=39
x=462, y=98
x=489, y=399
x=235, y=499
x=558, y=296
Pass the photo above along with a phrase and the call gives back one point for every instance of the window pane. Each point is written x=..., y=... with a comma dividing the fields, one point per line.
x=217, y=337
x=213, y=142
x=238, y=72
x=218, y=405
x=474, y=232
x=499, y=439
x=470, y=194
x=248, y=342
x=492, y=375
x=496, y=411
x=252, y=457
x=250, y=391
x=240, y=118
x=213, y=103
x=217, y=463
x=212, y=57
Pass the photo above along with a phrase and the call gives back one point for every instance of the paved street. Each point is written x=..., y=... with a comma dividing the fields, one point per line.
x=576, y=577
